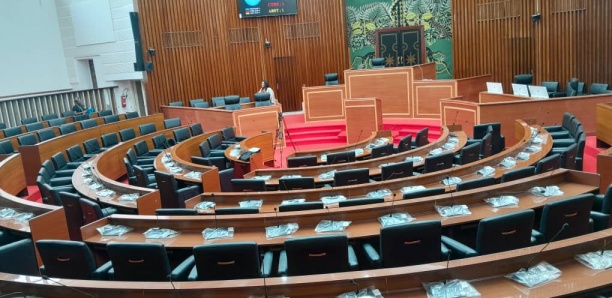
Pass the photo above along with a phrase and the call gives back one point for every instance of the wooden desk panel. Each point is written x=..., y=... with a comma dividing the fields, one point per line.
x=323, y=103
x=259, y=120
x=469, y=88
x=427, y=95
x=361, y=144
x=603, y=127
x=604, y=169
x=363, y=117
x=393, y=86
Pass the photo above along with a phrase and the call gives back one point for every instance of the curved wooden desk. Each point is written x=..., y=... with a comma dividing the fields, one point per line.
x=264, y=142
x=364, y=219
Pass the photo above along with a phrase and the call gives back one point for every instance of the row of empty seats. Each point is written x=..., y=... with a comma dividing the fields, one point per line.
x=230, y=102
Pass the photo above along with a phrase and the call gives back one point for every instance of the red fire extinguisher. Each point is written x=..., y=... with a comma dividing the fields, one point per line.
x=124, y=97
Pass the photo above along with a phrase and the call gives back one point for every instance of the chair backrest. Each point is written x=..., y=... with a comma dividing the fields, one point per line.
x=352, y=177
x=89, y=123
x=81, y=117
x=139, y=261
x=225, y=178
x=214, y=141
x=196, y=129
x=574, y=211
x=75, y=153
x=405, y=143
x=438, y=162
x=548, y=163
x=48, y=165
x=131, y=115
x=129, y=169
x=74, y=214
x=181, y=134
x=241, y=185
x=378, y=62
x=29, y=120
x=228, y=133
x=359, y=202
x=331, y=79
x=302, y=161
x=572, y=87
x=66, y=259
x=92, y=146
x=523, y=79
x=236, y=210
x=127, y=134
x=340, y=157
x=475, y=183
x=19, y=258
x=202, y=105
x=317, y=255
x=26, y=140
x=141, y=148
x=67, y=128
x=160, y=141
x=34, y=126
x=411, y=243
x=105, y=113
x=424, y=193
x=176, y=104
x=225, y=261
x=505, y=232
x=383, y=150
x=59, y=161
x=518, y=174
x=56, y=121
x=421, y=138
x=166, y=183
x=262, y=99
x=176, y=211
x=6, y=147
x=110, y=139
x=172, y=122
x=193, y=102
x=142, y=178
x=111, y=118
x=396, y=170
x=67, y=113
x=12, y=131
x=232, y=102
x=218, y=101
x=551, y=86
x=598, y=88
x=91, y=211
x=568, y=157
x=486, y=145
x=300, y=206
x=469, y=153
x=147, y=128
x=296, y=183
x=245, y=99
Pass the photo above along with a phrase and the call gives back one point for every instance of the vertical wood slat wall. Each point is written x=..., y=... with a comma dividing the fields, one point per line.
x=204, y=50
x=572, y=39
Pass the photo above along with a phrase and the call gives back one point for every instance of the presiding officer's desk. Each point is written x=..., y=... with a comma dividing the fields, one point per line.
x=486, y=273
x=372, y=164
x=35, y=155
x=465, y=172
x=364, y=219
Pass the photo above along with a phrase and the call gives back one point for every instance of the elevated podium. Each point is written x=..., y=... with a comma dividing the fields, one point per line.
x=363, y=117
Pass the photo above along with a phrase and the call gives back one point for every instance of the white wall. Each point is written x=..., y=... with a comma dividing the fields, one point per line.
x=113, y=61
x=31, y=54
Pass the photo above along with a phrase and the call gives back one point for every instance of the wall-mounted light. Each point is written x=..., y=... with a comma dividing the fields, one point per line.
x=267, y=44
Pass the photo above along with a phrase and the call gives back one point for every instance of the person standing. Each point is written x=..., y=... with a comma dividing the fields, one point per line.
x=265, y=87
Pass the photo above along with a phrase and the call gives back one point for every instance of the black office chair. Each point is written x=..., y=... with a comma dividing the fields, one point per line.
x=523, y=79
x=424, y=193
x=69, y=259
x=111, y=119
x=92, y=211
x=216, y=143
x=396, y=170
x=109, y=140
x=176, y=211
x=92, y=146
x=67, y=113
x=236, y=210
x=408, y=244
x=475, y=183
x=45, y=134
x=147, y=128
x=566, y=122
x=19, y=258
x=468, y=154
x=218, y=101
x=568, y=157
x=497, y=234
x=48, y=117
x=56, y=122
x=340, y=157
x=242, y=185
x=171, y=195
x=193, y=102
x=300, y=206
x=352, y=177
x=160, y=141
x=382, y=150
x=317, y=255
x=230, y=136
x=360, y=202
x=331, y=79
x=67, y=128
x=548, y=163
x=60, y=162
x=227, y=261
x=404, y=144
x=6, y=147
x=438, y=162
x=552, y=88
x=175, y=104
x=196, y=129
x=421, y=138
x=89, y=123
x=105, y=113
x=574, y=211
x=296, y=183
x=232, y=102
x=219, y=162
x=245, y=99
x=225, y=178
x=602, y=209
x=74, y=214
x=181, y=134
x=27, y=140
x=34, y=126
x=142, y=149
x=262, y=99
x=131, y=115
x=302, y=161
x=29, y=120
x=127, y=134
x=12, y=131
x=518, y=174
x=378, y=62
x=143, y=177
x=54, y=173
x=172, y=123
x=142, y=262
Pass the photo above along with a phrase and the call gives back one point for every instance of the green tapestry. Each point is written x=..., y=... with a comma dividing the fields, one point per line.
x=364, y=17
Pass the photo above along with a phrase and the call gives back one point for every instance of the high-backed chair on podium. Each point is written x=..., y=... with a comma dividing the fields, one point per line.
x=218, y=101
x=176, y=104
x=378, y=62
x=262, y=99
x=317, y=255
x=172, y=123
x=193, y=102
x=599, y=88
x=552, y=88
x=232, y=102
x=523, y=79
x=331, y=79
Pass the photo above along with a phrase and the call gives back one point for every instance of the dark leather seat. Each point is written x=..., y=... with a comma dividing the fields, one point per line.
x=317, y=255
x=69, y=259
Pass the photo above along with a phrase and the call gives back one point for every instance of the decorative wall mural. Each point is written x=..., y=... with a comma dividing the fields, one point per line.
x=364, y=17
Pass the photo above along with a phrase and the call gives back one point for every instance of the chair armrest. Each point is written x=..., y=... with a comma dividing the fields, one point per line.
x=216, y=153
x=352, y=258
x=61, y=181
x=156, y=151
x=372, y=255
x=102, y=273
x=109, y=211
x=537, y=235
x=187, y=193
x=282, y=263
x=218, y=162
x=445, y=251
x=63, y=173
x=458, y=249
x=559, y=143
x=554, y=128
x=598, y=203
x=181, y=272
x=193, y=275
x=266, y=264
x=600, y=220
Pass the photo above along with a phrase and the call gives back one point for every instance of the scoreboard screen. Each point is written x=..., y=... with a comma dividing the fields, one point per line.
x=266, y=8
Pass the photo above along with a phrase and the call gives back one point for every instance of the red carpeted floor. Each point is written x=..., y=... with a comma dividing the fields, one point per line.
x=302, y=136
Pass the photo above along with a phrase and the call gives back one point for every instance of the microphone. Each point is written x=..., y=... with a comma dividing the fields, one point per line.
x=44, y=277
x=452, y=134
x=604, y=247
x=450, y=191
x=447, y=271
x=358, y=138
x=275, y=212
x=352, y=281
x=565, y=226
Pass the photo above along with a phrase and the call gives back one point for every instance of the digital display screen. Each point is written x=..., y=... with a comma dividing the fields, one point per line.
x=266, y=8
